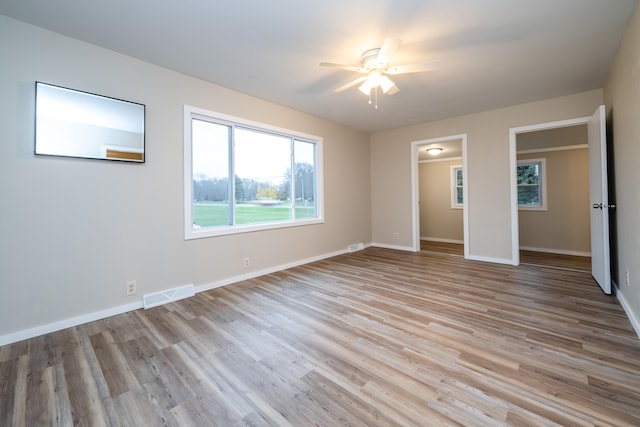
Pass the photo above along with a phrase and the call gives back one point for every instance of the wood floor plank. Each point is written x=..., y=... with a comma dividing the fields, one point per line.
x=84, y=396
x=20, y=393
x=8, y=385
x=376, y=337
x=115, y=368
x=47, y=398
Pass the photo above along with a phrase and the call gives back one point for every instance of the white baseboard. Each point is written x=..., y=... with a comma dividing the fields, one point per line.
x=436, y=239
x=113, y=311
x=627, y=309
x=67, y=323
x=396, y=247
x=555, y=251
x=489, y=259
x=258, y=273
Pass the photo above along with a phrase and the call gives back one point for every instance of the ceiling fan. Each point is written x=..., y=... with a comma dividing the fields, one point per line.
x=376, y=70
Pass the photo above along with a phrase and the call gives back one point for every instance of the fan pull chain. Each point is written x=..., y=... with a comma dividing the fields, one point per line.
x=375, y=97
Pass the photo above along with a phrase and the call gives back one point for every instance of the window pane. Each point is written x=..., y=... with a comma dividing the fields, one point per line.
x=241, y=176
x=457, y=199
x=529, y=176
x=529, y=173
x=305, y=179
x=262, y=163
x=210, y=163
x=529, y=195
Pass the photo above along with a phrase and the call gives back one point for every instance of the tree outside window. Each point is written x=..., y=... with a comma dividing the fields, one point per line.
x=530, y=175
x=241, y=176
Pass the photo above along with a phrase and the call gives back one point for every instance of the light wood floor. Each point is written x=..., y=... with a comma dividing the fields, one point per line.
x=373, y=338
x=570, y=262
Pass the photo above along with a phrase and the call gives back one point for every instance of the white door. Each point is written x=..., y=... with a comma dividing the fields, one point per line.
x=599, y=200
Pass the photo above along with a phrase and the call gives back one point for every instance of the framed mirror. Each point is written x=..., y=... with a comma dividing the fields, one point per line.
x=72, y=123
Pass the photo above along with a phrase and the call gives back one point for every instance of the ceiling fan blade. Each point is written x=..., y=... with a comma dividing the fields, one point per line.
x=388, y=49
x=343, y=67
x=412, y=68
x=351, y=84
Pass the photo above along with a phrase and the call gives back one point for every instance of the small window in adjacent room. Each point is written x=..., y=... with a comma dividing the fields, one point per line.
x=532, y=194
x=457, y=201
x=244, y=176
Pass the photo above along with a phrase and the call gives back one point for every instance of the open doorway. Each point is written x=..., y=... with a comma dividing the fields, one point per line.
x=598, y=183
x=440, y=220
x=552, y=174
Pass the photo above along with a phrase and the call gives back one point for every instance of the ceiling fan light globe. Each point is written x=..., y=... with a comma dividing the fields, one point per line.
x=375, y=77
x=365, y=87
x=386, y=84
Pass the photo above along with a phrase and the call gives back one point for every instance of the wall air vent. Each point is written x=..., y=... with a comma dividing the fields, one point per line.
x=170, y=295
x=355, y=247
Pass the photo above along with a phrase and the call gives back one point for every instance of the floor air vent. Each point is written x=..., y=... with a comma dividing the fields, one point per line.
x=170, y=295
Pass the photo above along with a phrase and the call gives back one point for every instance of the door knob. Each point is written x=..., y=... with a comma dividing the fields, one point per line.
x=597, y=206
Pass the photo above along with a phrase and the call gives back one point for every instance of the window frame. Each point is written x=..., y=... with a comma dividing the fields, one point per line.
x=542, y=185
x=454, y=187
x=190, y=113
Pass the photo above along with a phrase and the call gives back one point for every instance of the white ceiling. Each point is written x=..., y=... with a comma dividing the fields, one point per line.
x=451, y=149
x=491, y=53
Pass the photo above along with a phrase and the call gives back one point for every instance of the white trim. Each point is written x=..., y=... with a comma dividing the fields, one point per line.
x=264, y=271
x=454, y=187
x=542, y=185
x=436, y=239
x=444, y=159
x=489, y=259
x=555, y=251
x=114, y=311
x=415, y=206
x=635, y=323
x=513, y=183
x=67, y=323
x=395, y=247
x=546, y=150
x=102, y=314
x=189, y=112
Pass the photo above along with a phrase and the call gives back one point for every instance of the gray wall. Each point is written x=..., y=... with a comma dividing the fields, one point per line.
x=622, y=99
x=489, y=171
x=438, y=220
x=74, y=231
x=565, y=226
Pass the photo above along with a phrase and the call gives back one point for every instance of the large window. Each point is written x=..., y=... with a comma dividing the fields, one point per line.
x=531, y=184
x=243, y=176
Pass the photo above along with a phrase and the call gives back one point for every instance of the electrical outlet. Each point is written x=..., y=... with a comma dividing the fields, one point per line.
x=396, y=235
x=246, y=263
x=626, y=277
x=131, y=287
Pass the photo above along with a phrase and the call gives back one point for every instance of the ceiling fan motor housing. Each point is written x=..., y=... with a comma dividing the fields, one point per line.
x=369, y=59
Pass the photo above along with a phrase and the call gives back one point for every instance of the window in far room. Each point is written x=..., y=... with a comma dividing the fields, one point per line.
x=244, y=176
x=457, y=201
x=531, y=184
